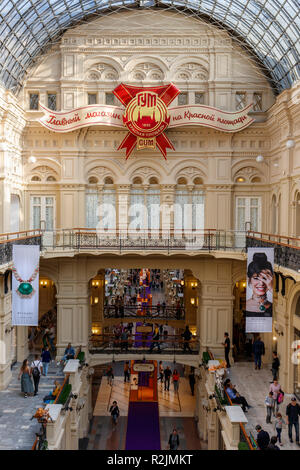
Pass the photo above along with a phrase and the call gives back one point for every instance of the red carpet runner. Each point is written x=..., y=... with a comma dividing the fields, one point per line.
x=143, y=431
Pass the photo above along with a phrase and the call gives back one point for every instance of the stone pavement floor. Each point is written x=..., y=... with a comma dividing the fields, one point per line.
x=254, y=386
x=17, y=432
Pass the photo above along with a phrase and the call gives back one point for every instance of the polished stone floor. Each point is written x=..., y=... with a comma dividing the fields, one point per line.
x=17, y=431
x=254, y=385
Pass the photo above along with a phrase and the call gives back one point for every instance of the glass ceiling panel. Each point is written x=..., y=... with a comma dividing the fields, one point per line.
x=268, y=29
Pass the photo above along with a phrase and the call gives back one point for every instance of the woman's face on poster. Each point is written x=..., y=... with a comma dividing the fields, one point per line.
x=261, y=282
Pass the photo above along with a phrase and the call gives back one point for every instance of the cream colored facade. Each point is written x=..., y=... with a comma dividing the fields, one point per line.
x=201, y=60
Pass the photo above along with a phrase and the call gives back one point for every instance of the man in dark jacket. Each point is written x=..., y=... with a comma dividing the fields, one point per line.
x=167, y=374
x=292, y=415
x=187, y=336
x=258, y=350
x=192, y=380
x=174, y=440
x=275, y=366
x=226, y=345
x=263, y=438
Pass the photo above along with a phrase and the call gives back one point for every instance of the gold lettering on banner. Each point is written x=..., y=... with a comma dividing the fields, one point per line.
x=146, y=143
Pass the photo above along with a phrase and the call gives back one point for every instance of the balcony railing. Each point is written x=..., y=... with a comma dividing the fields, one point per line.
x=286, y=249
x=7, y=240
x=83, y=239
x=136, y=344
x=134, y=311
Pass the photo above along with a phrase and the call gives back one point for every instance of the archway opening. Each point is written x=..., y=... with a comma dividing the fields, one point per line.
x=298, y=215
x=45, y=333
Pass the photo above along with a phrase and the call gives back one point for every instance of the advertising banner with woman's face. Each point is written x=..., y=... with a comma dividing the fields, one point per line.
x=259, y=296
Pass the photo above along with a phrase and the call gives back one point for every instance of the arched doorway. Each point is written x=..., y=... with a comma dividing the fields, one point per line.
x=296, y=361
x=297, y=234
x=46, y=331
x=273, y=215
x=174, y=410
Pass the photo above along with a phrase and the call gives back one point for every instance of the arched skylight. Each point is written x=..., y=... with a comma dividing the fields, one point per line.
x=269, y=29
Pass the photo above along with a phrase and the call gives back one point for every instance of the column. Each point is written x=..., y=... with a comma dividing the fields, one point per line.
x=215, y=304
x=72, y=305
x=167, y=199
x=122, y=201
x=5, y=337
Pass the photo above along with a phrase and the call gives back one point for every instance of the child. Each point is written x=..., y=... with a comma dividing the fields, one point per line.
x=269, y=405
x=278, y=424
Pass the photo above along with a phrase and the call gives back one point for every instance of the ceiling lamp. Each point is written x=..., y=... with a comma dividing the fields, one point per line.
x=290, y=144
x=259, y=158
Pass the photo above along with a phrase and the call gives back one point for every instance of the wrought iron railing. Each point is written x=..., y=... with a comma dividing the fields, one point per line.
x=137, y=344
x=147, y=312
x=7, y=240
x=160, y=240
x=286, y=249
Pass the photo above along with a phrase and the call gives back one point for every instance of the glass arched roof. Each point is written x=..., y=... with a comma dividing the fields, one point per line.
x=269, y=29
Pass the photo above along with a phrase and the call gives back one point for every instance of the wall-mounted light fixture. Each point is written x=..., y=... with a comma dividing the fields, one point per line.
x=182, y=283
x=192, y=300
x=43, y=283
x=194, y=284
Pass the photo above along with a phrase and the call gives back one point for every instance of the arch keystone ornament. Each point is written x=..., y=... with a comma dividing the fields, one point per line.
x=146, y=116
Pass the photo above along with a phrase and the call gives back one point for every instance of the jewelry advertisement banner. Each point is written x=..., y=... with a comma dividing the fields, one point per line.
x=259, y=295
x=25, y=285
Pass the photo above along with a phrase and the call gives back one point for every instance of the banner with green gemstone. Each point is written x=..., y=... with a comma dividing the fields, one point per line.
x=25, y=285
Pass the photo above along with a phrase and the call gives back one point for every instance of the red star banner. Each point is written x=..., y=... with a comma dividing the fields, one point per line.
x=146, y=116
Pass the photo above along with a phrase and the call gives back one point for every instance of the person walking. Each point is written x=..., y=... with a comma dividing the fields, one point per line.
x=174, y=440
x=263, y=438
x=275, y=366
x=187, y=336
x=292, y=418
x=175, y=378
x=36, y=372
x=51, y=337
x=226, y=345
x=192, y=380
x=25, y=376
x=269, y=406
x=124, y=340
x=258, y=350
x=167, y=374
x=126, y=372
x=46, y=359
x=110, y=375
x=155, y=339
x=275, y=387
x=278, y=425
x=161, y=372
x=115, y=412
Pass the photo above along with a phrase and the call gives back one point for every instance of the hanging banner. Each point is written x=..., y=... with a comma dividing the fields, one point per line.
x=146, y=117
x=92, y=115
x=196, y=115
x=25, y=285
x=259, y=295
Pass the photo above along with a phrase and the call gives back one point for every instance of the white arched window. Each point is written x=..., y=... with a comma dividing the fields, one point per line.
x=144, y=208
x=188, y=208
x=101, y=207
x=14, y=213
